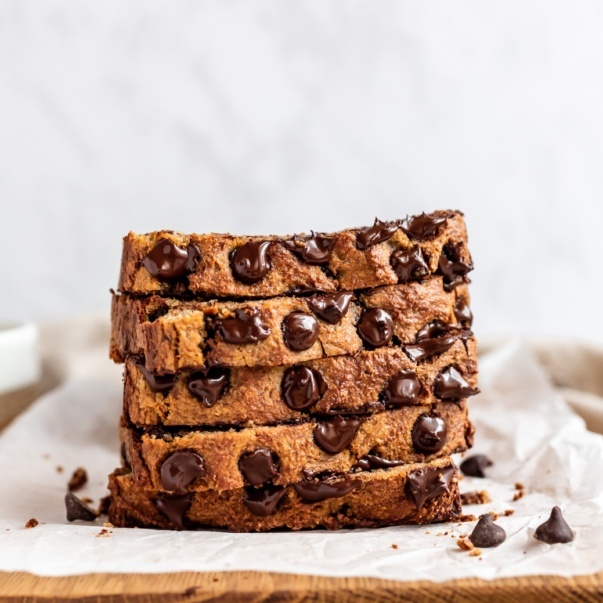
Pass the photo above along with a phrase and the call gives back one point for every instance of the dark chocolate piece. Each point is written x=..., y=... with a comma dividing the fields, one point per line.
x=314, y=249
x=160, y=384
x=247, y=326
x=428, y=483
x=450, y=385
x=333, y=436
x=180, y=469
x=409, y=264
x=168, y=262
x=250, y=262
x=435, y=338
x=259, y=466
x=486, y=533
x=429, y=434
x=316, y=491
x=555, y=529
x=300, y=331
x=301, y=387
x=463, y=313
x=376, y=327
x=78, y=480
x=77, y=509
x=474, y=466
x=403, y=389
x=452, y=267
x=422, y=227
x=373, y=461
x=174, y=508
x=331, y=307
x=263, y=501
x=377, y=233
x=208, y=385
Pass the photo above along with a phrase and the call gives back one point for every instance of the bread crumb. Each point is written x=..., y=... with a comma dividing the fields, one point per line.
x=476, y=497
x=519, y=494
x=394, y=546
x=465, y=544
x=475, y=552
x=108, y=524
x=103, y=533
x=519, y=486
x=32, y=523
x=508, y=512
x=466, y=518
x=59, y=468
x=78, y=480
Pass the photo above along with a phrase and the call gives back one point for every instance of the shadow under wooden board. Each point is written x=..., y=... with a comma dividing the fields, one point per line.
x=250, y=587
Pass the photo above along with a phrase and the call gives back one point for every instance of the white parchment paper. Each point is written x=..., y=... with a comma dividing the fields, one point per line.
x=522, y=424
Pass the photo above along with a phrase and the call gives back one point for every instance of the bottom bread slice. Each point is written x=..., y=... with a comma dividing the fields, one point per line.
x=409, y=494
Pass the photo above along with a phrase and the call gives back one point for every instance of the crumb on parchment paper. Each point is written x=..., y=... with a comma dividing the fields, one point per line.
x=32, y=523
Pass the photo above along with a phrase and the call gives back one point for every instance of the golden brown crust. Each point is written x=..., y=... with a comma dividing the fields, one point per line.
x=388, y=435
x=255, y=395
x=381, y=498
x=349, y=268
x=172, y=334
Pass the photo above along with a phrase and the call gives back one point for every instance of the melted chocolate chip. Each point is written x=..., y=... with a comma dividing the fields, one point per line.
x=77, y=509
x=331, y=307
x=452, y=267
x=250, y=262
x=263, y=501
x=246, y=326
x=168, y=262
x=462, y=312
x=426, y=484
x=259, y=466
x=555, y=529
x=475, y=466
x=301, y=387
x=435, y=338
x=429, y=434
x=315, y=249
x=316, y=491
x=161, y=384
x=377, y=233
x=174, y=508
x=405, y=388
x=486, y=533
x=300, y=331
x=334, y=436
x=423, y=227
x=373, y=461
x=180, y=469
x=376, y=327
x=450, y=385
x=409, y=264
x=208, y=385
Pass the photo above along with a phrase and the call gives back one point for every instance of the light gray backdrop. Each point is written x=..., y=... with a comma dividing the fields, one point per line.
x=263, y=117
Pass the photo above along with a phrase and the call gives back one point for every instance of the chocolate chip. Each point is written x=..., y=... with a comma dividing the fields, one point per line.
x=246, y=326
x=405, y=388
x=435, y=338
x=180, y=469
x=452, y=267
x=486, y=533
x=409, y=264
x=475, y=466
x=429, y=434
x=428, y=483
x=208, y=385
x=331, y=307
x=161, y=384
x=78, y=480
x=316, y=491
x=373, y=461
x=313, y=249
x=376, y=327
x=168, y=262
x=250, y=262
x=423, y=227
x=263, y=501
x=77, y=509
x=450, y=385
x=555, y=529
x=259, y=466
x=300, y=331
x=174, y=508
x=301, y=387
x=377, y=233
x=335, y=435
x=462, y=312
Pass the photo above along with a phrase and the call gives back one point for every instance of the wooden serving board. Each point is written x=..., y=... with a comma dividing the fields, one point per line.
x=248, y=587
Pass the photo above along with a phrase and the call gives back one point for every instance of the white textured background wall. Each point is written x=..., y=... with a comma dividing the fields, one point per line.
x=286, y=116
